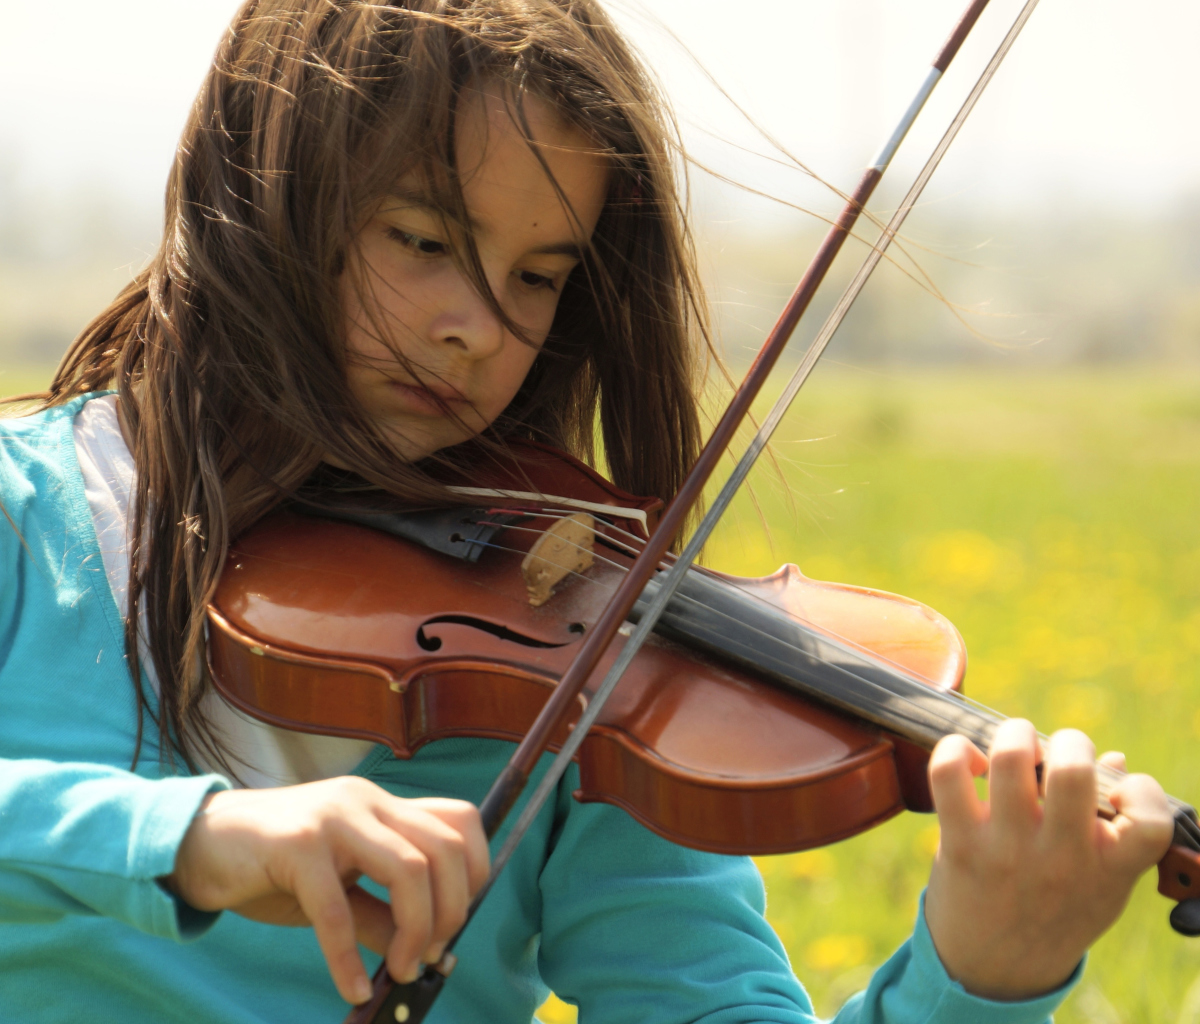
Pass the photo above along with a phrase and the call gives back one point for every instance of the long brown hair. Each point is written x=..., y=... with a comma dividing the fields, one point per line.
x=227, y=350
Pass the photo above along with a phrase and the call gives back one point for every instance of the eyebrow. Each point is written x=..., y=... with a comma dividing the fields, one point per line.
x=572, y=249
x=420, y=199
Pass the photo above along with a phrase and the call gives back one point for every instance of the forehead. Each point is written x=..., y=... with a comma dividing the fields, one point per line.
x=526, y=157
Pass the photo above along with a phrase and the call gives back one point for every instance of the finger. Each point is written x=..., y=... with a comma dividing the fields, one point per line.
x=1071, y=797
x=373, y=924
x=412, y=912
x=321, y=896
x=1012, y=779
x=444, y=850
x=464, y=818
x=1144, y=826
x=953, y=765
x=388, y=858
x=1113, y=759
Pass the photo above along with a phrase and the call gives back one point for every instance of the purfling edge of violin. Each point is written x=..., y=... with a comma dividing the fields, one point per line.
x=564, y=548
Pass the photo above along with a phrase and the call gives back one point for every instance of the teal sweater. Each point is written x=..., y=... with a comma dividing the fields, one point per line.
x=628, y=926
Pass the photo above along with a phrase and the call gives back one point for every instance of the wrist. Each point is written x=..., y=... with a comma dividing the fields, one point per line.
x=180, y=883
x=1038, y=996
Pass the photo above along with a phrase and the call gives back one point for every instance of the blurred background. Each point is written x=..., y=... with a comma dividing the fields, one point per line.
x=1007, y=427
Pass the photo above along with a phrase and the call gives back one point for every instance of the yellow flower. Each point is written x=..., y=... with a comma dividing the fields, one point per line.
x=968, y=560
x=555, y=1011
x=812, y=864
x=837, y=952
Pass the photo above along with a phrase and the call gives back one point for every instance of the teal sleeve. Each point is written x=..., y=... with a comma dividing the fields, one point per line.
x=636, y=930
x=90, y=839
x=913, y=986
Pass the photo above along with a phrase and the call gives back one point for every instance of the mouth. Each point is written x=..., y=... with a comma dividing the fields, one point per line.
x=429, y=399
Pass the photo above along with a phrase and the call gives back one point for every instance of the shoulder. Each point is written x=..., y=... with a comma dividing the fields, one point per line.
x=41, y=490
x=33, y=446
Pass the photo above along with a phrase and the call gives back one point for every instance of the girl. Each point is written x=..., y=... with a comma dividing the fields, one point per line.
x=399, y=235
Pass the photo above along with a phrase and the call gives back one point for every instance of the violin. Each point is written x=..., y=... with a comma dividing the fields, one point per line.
x=765, y=716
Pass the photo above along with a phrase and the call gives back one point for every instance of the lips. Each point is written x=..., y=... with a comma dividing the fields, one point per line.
x=430, y=399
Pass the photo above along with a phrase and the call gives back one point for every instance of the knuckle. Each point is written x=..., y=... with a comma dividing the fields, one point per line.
x=459, y=815
x=307, y=837
x=947, y=762
x=351, y=789
x=1154, y=827
x=1146, y=788
x=1072, y=776
x=328, y=912
x=452, y=846
x=414, y=865
x=1009, y=758
x=955, y=851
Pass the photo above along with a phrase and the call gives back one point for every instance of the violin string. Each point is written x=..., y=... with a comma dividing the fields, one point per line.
x=684, y=599
x=990, y=716
x=976, y=705
x=1107, y=778
x=579, y=547
x=530, y=529
x=880, y=705
x=632, y=544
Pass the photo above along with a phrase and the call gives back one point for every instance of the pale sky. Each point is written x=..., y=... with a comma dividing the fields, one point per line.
x=1096, y=104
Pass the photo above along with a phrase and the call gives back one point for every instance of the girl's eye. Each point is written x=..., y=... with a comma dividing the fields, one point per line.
x=419, y=245
x=528, y=277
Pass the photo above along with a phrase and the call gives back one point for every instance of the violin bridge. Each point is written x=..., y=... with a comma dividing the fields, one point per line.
x=565, y=548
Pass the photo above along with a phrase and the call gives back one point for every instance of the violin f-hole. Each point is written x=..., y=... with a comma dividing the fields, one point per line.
x=434, y=643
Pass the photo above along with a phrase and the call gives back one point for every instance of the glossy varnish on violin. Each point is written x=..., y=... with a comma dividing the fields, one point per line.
x=338, y=629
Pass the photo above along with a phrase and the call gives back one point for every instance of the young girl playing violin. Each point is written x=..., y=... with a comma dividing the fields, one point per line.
x=401, y=235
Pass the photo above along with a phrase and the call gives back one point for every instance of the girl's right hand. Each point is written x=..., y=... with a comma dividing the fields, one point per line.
x=293, y=856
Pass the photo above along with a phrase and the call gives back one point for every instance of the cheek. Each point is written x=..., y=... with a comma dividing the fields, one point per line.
x=375, y=302
x=516, y=369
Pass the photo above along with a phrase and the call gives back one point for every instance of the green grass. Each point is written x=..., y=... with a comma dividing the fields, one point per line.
x=1054, y=520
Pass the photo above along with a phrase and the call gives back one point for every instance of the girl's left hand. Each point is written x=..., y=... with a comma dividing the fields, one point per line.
x=1022, y=886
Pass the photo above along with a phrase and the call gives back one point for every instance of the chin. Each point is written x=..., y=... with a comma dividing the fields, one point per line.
x=415, y=444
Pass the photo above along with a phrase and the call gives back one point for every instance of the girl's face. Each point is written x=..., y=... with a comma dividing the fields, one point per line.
x=528, y=240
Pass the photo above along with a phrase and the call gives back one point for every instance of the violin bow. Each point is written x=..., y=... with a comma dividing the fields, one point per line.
x=408, y=1003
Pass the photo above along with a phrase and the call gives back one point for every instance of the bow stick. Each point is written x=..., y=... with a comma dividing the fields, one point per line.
x=409, y=1003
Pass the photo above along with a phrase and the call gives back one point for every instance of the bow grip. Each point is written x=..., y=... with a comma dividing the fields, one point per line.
x=402, y=1003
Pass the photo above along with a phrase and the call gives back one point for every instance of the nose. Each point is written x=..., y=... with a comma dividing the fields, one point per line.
x=466, y=321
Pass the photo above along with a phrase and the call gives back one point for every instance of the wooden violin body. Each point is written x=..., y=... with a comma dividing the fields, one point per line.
x=333, y=628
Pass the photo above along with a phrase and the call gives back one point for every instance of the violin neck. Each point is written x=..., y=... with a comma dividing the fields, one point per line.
x=716, y=617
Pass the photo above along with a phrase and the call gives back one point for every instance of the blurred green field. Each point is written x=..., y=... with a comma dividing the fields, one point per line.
x=1053, y=519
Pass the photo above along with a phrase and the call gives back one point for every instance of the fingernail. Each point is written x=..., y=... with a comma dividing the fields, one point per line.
x=362, y=991
x=411, y=974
